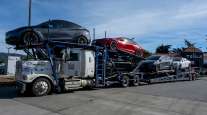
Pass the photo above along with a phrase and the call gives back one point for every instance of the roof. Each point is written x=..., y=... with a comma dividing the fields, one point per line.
x=192, y=49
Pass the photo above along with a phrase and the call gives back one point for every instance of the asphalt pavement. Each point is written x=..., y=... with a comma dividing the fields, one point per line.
x=173, y=98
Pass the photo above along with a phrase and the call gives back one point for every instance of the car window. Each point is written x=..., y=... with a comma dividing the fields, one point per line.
x=65, y=24
x=153, y=58
x=130, y=41
x=176, y=59
x=59, y=24
x=43, y=25
x=70, y=25
x=47, y=24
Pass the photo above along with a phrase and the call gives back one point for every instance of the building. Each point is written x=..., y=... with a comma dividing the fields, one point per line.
x=195, y=55
x=205, y=59
x=4, y=59
x=11, y=65
x=2, y=69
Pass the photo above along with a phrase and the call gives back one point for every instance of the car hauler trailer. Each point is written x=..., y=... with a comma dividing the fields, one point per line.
x=68, y=66
x=176, y=74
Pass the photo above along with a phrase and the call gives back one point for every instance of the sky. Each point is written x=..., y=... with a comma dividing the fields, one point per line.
x=150, y=22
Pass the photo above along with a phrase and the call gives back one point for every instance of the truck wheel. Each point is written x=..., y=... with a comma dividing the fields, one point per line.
x=125, y=81
x=135, y=82
x=41, y=87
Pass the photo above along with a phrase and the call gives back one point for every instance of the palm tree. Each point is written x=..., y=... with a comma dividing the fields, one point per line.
x=189, y=43
x=163, y=49
x=178, y=51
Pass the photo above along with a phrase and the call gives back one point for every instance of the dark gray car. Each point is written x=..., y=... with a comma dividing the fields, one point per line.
x=156, y=63
x=56, y=30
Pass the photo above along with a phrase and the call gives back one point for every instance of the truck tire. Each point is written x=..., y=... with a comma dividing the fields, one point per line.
x=125, y=81
x=135, y=81
x=41, y=87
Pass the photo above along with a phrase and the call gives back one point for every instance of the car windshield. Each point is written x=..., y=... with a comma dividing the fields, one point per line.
x=153, y=58
x=128, y=40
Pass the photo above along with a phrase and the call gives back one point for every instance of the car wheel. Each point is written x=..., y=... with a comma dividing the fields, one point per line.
x=125, y=81
x=82, y=40
x=41, y=87
x=113, y=46
x=30, y=38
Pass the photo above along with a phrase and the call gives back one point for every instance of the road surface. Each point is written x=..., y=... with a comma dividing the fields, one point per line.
x=175, y=98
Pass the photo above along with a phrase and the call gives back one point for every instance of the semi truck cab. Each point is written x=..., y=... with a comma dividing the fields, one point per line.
x=75, y=69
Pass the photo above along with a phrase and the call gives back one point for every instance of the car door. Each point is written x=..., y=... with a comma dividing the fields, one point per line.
x=48, y=30
x=62, y=31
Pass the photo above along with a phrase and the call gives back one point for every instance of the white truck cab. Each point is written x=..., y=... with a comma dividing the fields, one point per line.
x=78, y=63
x=75, y=66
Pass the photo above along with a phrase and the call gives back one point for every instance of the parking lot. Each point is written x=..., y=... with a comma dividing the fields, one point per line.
x=174, y=98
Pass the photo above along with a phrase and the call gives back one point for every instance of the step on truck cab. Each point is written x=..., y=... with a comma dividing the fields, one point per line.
x=75, y=69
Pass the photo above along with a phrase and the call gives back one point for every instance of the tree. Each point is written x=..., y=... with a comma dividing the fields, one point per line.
x=163, y=49
x=178, y=51
x=189, y=43
x=146, y=53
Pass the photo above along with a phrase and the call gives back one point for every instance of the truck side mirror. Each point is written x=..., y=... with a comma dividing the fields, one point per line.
x=66, y=55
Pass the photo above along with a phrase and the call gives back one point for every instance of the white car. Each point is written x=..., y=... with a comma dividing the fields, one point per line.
x=156, y=63
x=182, y=63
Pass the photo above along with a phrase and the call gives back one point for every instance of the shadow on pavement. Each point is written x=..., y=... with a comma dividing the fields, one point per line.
x=8, y=92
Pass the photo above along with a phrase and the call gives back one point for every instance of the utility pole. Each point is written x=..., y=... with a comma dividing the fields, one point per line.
x=94, y=33
x=30, y=10
x=8, y=59
x=105, y=33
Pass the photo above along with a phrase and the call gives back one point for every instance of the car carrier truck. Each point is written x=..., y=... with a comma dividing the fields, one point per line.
x=74, y=67
x=69, y=66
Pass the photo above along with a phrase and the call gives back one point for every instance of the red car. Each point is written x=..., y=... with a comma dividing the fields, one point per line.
x=121, y=44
